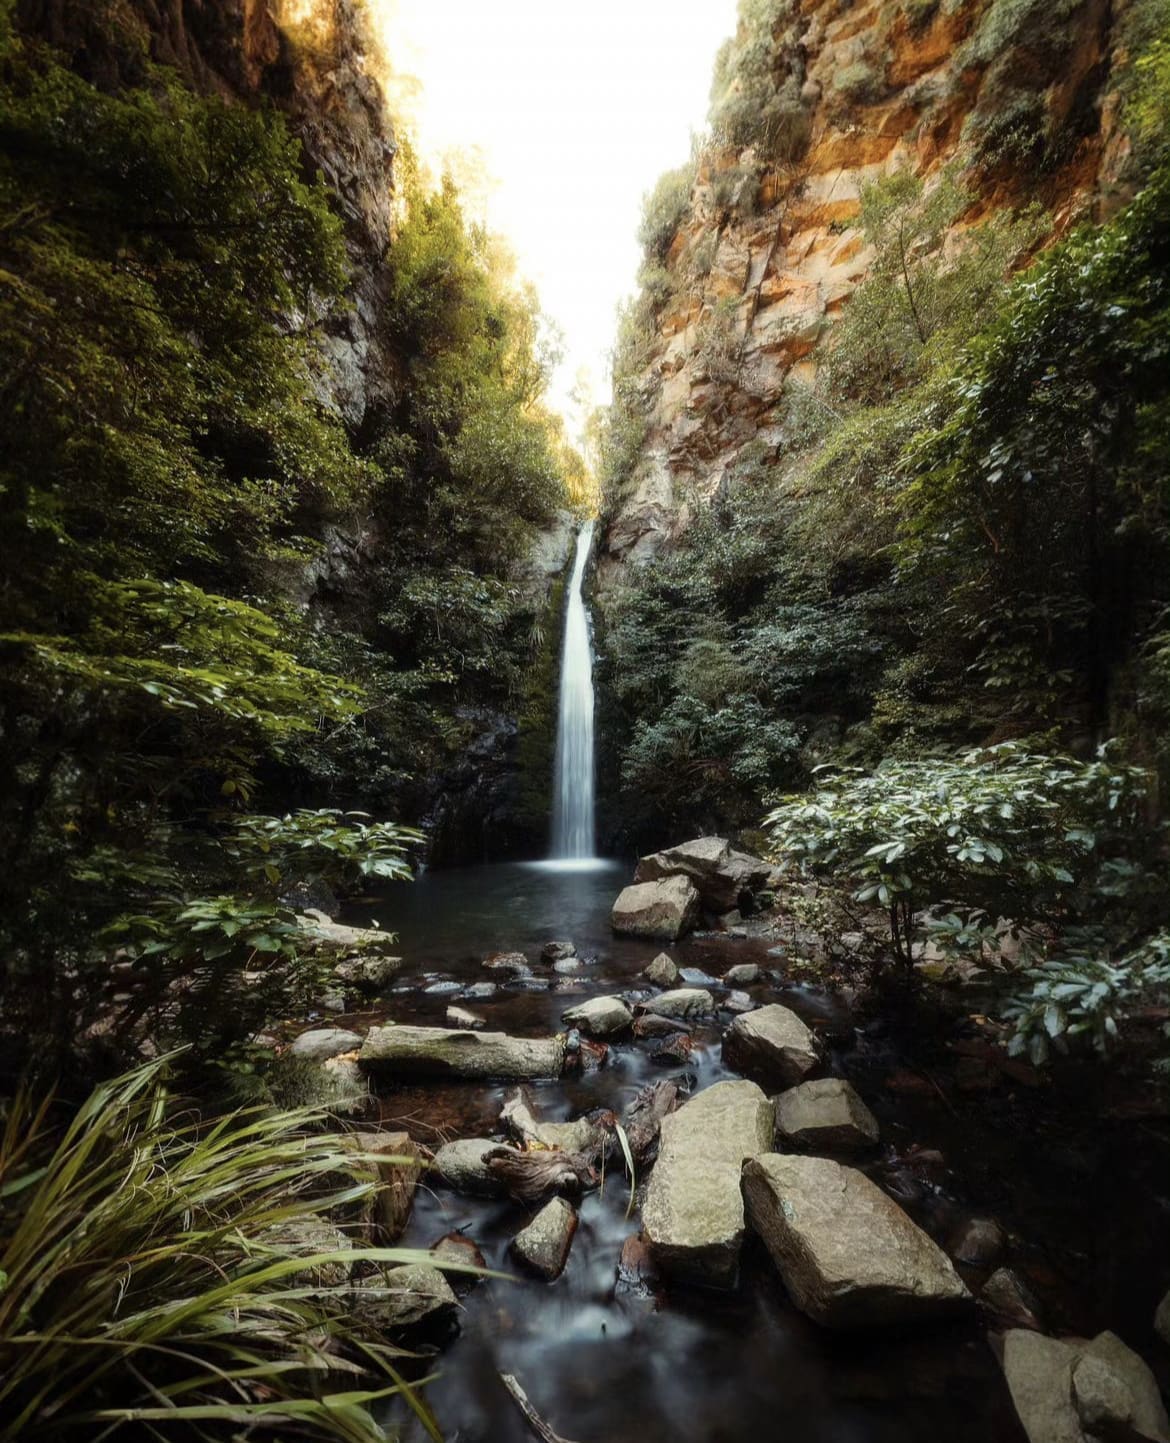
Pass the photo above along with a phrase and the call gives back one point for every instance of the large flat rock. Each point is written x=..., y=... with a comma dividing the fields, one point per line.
x=409, y=1051
x=693, y=1213
x=771, y=1045
x=665, y=909
x=849, y=1256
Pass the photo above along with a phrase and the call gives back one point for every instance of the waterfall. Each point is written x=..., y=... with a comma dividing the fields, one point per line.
x=572, y=829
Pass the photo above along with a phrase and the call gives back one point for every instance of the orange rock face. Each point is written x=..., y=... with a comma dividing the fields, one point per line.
x=887, y=85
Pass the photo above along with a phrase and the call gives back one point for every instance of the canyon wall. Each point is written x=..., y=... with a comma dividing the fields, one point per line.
x=1016, y=95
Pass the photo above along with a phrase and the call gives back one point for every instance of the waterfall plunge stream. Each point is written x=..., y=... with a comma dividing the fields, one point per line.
x=572, y=829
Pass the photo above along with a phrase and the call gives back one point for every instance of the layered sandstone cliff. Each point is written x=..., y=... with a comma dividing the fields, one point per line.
x=1017, y=96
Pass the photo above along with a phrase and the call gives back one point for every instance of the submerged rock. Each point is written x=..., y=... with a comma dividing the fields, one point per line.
x=463, y=1166
x=408, y=1051
x=544, y=1244
x=693, y=1215
x=682, y=1002
x=1070, y=1391
x=720, y=874
x=662, y=971
x=321, y=1043
x=849, y=1256
x=665, y=909
x=772, y=1045
x=825, y=1115
x=600, y=1016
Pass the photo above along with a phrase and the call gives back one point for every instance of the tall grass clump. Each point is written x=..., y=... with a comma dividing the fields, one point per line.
x=171, y=1278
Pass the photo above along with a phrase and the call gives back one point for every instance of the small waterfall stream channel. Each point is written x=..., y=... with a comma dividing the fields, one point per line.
x=607, y=1352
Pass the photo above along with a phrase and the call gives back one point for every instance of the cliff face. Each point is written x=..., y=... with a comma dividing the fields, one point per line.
x=1016, y=94
x=314, y=62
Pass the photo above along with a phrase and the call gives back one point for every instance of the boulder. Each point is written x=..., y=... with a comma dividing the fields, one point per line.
x=543, y=1246
x=696, y=977
x=507, y=964
x=978, y=1243
x=456, y=1250
x=463, y=1166
x=662, y=971
x=599, y=1017
x=719, y=874
x=743, y=975
x=407, y=1051
x=649, y=1024
x=772, y=1045
x=674, y=1051
x=825, y=1116
x=321, y=1043
x=665, y=909
x=1066, y=1390
x=366, y=974
x=849, y=1256
x=681, y=1002
x=566, y=966
x=557, y=951
x=409, y=1297
x=520, y=1117
x=693, y=1213
x=737, y=1002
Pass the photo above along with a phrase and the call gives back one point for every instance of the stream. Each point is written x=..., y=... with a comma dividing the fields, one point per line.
x=607, y=1364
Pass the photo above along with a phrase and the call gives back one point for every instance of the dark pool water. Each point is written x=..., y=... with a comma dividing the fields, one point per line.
x=690, y=1366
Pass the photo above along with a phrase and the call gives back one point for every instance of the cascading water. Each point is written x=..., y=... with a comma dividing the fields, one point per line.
x=572, y=830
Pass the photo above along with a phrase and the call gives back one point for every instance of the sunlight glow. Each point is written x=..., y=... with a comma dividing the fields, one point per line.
x=567, y=114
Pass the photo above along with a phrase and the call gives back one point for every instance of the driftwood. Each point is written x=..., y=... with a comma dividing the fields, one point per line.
x=531, y=1176
x=531, y=1416
x=644, y=1116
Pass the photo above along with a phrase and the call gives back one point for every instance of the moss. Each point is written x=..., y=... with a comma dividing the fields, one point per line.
x=858, y=82
x=537, y=719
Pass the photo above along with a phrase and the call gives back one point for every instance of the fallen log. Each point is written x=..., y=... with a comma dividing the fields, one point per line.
x=531, y=1176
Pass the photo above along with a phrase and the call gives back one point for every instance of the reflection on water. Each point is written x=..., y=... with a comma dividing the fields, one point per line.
x=600, y=1366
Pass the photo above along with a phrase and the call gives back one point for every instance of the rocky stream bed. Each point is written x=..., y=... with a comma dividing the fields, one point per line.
x=847, y=1224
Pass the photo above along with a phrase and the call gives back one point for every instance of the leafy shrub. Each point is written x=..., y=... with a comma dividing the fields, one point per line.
x=663, y=209
x=755, y=89
x=857, y=82
x=1011, y=833
x=180, y=1277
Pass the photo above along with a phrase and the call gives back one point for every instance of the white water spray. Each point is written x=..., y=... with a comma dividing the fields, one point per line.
x=572, y=830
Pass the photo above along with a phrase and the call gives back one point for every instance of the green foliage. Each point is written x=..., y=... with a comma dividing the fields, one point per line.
x=1038, y=24
x=755, y=89
x=1006, y=831
x=663, y=209
x=1084, y=991
x=858, y=82
x=173, y=1278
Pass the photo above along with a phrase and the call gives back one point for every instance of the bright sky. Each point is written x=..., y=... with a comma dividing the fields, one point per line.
x=577, y=108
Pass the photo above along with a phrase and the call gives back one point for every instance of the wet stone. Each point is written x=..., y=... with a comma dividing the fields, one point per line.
x=662, y=971
x=848, y=1255
x=978, y=1243
x=565, y=965
x=825, y=1116
x=682, y=1002
x=649, y=1024
x=737, y=1002
x=513, y=964
x=461, y=1251
x=442, y=989
x=462, y=1165
x=557, y=951
x=480, y=991
x=771, y=1045
x=742, y=975
x=696, y=977
x=665, y=909
x=543, y=1246
x=599, y=1017
x=408, y=1297
x=321, y=1043
x=672, y=1051
x=1007, y=1296
x=693, y=1214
